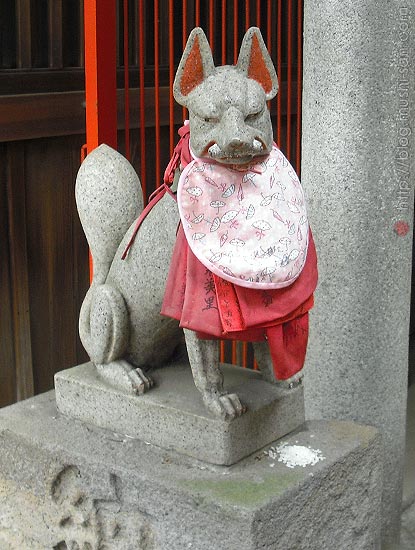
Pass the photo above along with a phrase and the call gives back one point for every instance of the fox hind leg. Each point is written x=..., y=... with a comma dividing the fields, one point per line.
x=104, y=332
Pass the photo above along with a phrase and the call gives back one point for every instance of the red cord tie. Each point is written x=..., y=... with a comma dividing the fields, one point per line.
x=165, y=187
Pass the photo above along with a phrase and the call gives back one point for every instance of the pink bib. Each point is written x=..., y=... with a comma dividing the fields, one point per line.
x=247, y=226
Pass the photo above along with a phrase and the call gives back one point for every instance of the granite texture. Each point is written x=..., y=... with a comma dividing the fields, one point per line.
x=173, y=416
x=358, y=171
x=109, y=198
x=65, y=484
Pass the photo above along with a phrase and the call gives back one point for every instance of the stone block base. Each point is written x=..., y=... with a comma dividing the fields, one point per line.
x=173, y=416
x=67, y=484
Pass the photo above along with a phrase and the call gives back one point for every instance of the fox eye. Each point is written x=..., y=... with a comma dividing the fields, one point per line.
x=253, y=116
x=211, y=119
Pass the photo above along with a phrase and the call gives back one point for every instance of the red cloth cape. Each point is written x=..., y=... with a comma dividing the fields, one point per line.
x=215, y=308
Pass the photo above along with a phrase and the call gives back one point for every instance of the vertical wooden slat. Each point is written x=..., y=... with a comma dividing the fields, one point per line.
x=269, y=25
x=7, y=361
x=212, y=25
x=197, y=15
x=81, y=62
x=235, y=31
x=223, y=16
x=118, y=3
x=234, y=354
x=126, y=82
x=279, y=68
x=247, y=14
x=24, y=39
x=136, y=57
x=289, y=79
x=55, y=35
x=184, y=23
x=157, y=89
x=270, y=42
x=184, y=40
x=100, y=73
x=244, y=354
x=258, y=13
x=171, y=76
x=19, y=270
x=222, y=351
x=143, y=163
x=299, y=82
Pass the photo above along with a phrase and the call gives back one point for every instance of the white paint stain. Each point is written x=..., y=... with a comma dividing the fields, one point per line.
x=295, y=455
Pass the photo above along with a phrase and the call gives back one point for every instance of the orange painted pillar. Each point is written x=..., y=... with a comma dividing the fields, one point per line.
x=100, y=73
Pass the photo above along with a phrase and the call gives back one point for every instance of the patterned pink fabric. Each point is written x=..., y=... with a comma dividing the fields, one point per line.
x=247, y=226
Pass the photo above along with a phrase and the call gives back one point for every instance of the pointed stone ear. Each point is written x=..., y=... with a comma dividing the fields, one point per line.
x=195, y=65
x=255, y=61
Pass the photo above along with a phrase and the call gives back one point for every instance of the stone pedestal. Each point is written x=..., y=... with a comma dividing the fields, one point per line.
x=172, y=414
x=65, y=483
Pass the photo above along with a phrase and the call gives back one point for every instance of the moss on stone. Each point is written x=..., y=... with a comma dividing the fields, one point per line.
x=242, y=492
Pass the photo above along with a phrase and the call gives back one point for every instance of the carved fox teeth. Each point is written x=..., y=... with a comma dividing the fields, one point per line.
x=257, y=145
x=214, y=150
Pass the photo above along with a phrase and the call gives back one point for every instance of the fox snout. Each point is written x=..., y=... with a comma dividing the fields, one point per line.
x=235, y=140
x=236, y=151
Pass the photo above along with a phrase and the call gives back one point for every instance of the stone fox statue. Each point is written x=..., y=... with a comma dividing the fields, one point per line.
x=242, y=263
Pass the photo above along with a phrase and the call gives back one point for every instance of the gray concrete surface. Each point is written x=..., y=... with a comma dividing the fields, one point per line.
x=173, y=416
x=66, y=484
x=358, y=172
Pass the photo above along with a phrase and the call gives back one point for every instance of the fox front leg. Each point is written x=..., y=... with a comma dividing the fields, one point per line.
x=104, y=332
x=204, y=361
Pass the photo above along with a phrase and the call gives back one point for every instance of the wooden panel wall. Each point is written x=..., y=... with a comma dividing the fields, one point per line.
x=44, y=264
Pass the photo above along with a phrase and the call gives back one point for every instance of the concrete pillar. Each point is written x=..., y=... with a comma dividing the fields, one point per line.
x=358, y=170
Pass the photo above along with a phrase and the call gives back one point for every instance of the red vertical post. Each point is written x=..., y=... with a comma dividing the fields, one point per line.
x=197, y=15
x=126, y=82
x=247, y=14
x=171, y=76
x=100, y=73
x=223, y=32
x=279, y=70
x=289, y=80
x=299, y=83
x=235, y=31
x=211, y=24
x=258, y=13
x=141, y=62
x=184, y=41
x=157, y=89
